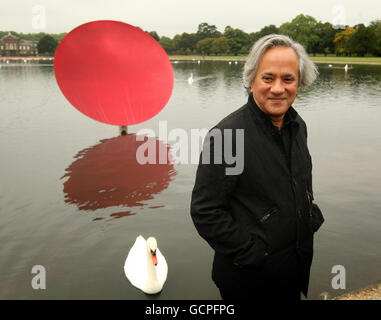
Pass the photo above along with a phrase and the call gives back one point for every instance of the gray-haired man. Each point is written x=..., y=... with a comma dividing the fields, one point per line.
x=261, y=222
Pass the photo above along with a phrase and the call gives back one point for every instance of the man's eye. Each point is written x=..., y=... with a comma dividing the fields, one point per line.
x=289, y=79
x=267, y=78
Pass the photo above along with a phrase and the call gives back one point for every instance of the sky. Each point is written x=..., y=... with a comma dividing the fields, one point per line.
x=170, y=17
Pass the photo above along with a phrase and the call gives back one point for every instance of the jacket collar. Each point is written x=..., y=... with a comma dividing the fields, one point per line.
x=264, y=119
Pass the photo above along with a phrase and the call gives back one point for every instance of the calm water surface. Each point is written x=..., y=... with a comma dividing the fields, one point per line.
x=73, y=199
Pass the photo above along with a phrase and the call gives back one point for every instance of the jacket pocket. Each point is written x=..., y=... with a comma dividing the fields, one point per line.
x=316, y=218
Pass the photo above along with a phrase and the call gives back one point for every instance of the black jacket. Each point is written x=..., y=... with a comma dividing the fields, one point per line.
x=267, y=209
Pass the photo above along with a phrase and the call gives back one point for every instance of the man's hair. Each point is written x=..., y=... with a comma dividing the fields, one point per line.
x=307, y=69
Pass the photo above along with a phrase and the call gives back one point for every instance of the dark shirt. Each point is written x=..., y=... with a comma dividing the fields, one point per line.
x=283, y=136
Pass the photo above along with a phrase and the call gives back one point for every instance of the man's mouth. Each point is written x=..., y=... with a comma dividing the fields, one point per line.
x=277, y=99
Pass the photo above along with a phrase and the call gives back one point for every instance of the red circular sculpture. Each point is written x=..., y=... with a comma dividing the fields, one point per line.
x=113, y=72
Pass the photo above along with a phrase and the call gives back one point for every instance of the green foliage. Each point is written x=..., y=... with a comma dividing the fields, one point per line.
x=341, y=41
x=47, y=45
x=362, y=41
x=236, y=39
x=220, y=45
x=154, y=35
x=326, y=34
x=204, y=46
x=244, y=50
x=168, y=44
x=206, y=30
x=303, y=30
x=377, y=35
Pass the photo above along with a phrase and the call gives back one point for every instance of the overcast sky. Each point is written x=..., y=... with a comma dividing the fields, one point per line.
x=169, y=17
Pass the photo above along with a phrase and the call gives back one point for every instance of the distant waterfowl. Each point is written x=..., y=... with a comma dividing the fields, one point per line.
x=330, y=65
x=198, y=61
x=230, y=62
x=346, y=68
x=235, y=62
x=145, y=266
x=190, y=79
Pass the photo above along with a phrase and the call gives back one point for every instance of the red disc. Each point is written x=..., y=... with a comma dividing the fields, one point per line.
x=113, y=72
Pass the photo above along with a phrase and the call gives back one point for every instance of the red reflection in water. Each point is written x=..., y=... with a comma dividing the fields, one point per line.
x=108, y=175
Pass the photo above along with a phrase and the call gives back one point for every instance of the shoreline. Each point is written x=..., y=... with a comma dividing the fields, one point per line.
x=243, y=59
x=347, y=62
x=372, y=292
x=199, y=58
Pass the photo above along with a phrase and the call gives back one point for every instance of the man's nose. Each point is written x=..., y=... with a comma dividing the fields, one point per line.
x=277, y=87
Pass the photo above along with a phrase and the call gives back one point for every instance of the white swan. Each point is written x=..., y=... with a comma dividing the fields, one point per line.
x=346, y=68
x=145, y=267
x=330, y=65
x=190, y=79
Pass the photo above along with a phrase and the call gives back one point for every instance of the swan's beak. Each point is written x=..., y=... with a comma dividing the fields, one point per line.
x=154, y=258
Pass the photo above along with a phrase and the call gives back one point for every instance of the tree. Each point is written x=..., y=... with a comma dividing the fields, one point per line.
x=244, y=50
x=362, y=41
x=185, y=41
x=236, y=39
x=154, y=35
x=206, y=30
x=326, y=34
x=302, y=29
x=254, y=36
x=220, y=45
x=167, y=44
x=47, y=45
x=376, y=28
x=204, y=46
x=341, y=41
x=270, y=29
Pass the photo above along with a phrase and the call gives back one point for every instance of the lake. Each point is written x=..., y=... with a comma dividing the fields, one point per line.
x=73, y=200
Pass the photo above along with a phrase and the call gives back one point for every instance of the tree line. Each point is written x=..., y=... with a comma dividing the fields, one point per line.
x=317, y=37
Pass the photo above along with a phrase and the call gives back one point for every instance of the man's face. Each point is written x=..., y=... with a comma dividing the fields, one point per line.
x=276, y=83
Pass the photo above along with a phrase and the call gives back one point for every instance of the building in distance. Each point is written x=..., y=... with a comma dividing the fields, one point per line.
x=10, y=45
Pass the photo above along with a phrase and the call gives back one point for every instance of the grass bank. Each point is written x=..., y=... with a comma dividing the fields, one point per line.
x=318, y=59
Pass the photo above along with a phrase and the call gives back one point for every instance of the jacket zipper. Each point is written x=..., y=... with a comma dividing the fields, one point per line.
x=268, y=214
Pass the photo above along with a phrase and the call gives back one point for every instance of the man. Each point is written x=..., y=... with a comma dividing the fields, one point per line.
x=261, y=221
